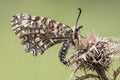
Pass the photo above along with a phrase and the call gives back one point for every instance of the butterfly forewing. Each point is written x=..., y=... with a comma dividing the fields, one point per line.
x=39, y=33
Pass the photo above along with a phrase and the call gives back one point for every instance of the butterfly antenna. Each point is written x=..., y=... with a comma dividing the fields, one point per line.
x=78, y=16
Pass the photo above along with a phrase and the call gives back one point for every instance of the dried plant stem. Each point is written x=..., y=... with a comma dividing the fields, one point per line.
x=101, y=73
x=87, y=76
x=116, y=73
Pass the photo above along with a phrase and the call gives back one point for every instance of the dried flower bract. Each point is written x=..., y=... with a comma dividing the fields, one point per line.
x=96, y=54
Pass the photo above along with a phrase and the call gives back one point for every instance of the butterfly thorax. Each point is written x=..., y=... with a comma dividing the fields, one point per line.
x=76, y=35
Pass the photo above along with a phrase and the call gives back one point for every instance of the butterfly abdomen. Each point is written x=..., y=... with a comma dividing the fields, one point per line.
x=63, y=52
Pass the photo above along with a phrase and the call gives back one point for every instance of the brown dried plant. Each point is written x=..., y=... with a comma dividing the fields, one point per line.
x=95, y=54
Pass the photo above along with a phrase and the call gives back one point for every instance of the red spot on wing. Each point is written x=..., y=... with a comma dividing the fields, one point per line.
x=51, y=24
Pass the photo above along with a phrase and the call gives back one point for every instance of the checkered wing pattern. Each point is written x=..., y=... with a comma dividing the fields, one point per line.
x=39, y=33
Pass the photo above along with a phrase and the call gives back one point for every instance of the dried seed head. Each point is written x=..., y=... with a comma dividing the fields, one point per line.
x=93, y=51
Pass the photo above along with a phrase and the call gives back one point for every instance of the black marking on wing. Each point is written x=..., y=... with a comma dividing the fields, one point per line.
x=39, y=33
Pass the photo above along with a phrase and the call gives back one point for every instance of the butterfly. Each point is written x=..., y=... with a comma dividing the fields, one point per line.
x=39, y=33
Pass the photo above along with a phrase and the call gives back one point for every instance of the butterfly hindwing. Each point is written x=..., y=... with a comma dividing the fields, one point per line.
x=39, y=33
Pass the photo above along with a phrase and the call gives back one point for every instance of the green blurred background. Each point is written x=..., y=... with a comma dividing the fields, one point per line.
x=100, y=16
